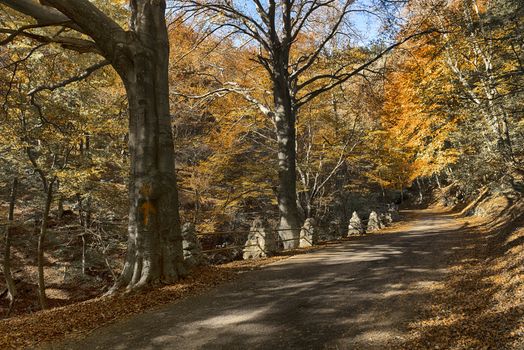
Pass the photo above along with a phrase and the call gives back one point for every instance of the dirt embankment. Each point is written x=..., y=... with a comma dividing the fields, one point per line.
x=481, y=305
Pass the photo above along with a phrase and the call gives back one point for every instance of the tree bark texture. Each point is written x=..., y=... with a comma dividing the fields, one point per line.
x=155, y=243
x=285, y=120
x=10, y=284
x=41, y=245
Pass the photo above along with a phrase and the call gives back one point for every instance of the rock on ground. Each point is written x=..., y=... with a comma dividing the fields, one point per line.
x=307, y=234
x=356, y=227
x=373, y=222
x=193, y=255
x=261, y=241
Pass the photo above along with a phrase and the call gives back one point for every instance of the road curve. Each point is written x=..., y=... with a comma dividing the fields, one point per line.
x=358, y=294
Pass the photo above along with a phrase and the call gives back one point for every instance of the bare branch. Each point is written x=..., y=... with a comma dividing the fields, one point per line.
x=81, y=15
x=75, y=44
x=339, y=78
x=15, y=69
x=44, y=15
x=84, y=75
x=244, y=23
x=232, y=87
x=313, y=56
x=19, y=31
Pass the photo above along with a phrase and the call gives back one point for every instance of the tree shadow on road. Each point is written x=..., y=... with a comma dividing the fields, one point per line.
x=358, y=294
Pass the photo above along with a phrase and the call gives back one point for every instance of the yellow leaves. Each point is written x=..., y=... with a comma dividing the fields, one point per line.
x=413, y=121
x=226, y=171
x=78, y=174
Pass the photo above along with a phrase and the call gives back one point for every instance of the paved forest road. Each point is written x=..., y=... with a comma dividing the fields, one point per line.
x=358, y=294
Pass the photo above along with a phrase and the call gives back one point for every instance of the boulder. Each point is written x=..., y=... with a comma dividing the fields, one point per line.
x=373, y=222
x=386, y=218
x=329, y=232
x=307, y=234
x=191, y=246
x=224, y=256
x=356, y=227
x=261, y=241
x=392, y=207
x=393, y=211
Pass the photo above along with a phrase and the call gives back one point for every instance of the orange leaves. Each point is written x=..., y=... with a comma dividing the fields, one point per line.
x=415, y=125
x=224, y=140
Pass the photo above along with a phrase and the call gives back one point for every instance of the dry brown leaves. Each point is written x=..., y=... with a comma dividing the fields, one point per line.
x=80, y=318
x=481, y=304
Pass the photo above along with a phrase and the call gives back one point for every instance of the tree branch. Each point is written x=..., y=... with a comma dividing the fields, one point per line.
x=233, y=89
x=84, y=75
x=20, y=31
x=341, y=78
x=80, y=15
x=44, y=15
x=75, y=44
x=313, y=56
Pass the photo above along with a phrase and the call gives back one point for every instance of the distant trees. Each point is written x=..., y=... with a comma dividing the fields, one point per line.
x=71, y=136
x=332, y=141
x=290, y=40
x=227, y=147
x=415, y=120
x=453, y=97
x=477, y=72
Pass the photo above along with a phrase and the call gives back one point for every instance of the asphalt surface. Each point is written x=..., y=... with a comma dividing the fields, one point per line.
x=359, y=294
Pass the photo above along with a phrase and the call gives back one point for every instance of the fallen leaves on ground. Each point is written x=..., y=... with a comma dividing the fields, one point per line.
x=481, y=304
x=80, y=318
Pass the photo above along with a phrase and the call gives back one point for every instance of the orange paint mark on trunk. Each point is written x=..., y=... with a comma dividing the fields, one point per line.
x=147, y=209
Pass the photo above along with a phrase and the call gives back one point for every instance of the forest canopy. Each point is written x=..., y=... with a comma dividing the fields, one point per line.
x=121, y=121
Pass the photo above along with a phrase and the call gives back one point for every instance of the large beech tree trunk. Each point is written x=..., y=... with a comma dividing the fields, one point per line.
x=154, y=252
x=140, y=56
x=285, y=119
